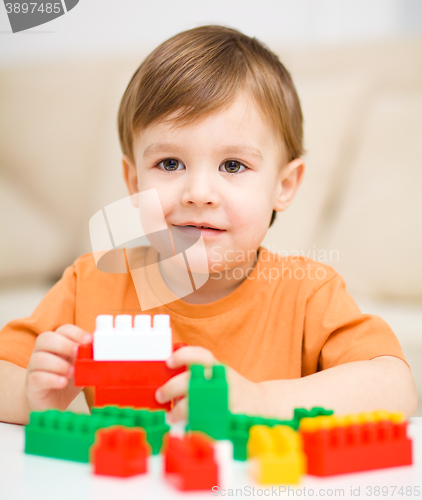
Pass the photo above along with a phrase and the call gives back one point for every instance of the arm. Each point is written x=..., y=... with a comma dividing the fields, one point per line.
x=384, y=382
x=13, y=401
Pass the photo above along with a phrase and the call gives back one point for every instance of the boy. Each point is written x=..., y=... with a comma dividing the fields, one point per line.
x=212, y=121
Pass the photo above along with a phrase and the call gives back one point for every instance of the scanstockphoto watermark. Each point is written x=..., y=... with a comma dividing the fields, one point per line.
x=308, y=266
x=321, y=255
x=24, y=15
x=353, y=491
x=277, y=491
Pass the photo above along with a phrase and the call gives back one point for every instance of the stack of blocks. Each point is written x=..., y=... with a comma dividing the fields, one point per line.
x=69, y=436
x=337, y=445
x=240, y=425
x=152, y=421
x=126, y=363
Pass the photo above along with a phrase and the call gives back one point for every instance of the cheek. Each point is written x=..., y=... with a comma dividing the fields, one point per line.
x=247, y=211
x=165, y=193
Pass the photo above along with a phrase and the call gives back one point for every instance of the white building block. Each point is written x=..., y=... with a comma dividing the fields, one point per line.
x=223, y=453
x=127, y=342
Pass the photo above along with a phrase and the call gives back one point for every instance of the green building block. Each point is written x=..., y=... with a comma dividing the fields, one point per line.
x=316, y=411
x=68, y=435
x=58, y=434
x=153, y=421
x=208, y=404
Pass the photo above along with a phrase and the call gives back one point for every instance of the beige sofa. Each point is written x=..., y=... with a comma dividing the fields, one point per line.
x=360, y=198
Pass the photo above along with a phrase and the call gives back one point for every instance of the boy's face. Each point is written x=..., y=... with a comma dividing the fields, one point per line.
x=228, y=171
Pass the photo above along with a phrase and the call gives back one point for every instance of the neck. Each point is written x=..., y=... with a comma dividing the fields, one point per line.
x=218, y=285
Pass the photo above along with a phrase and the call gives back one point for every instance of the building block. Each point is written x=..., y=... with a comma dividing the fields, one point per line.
x=138, y=397
x=153, y=422
x=121, y=373
x=239, y=426
x=89, y=372
x=120, y=451
x=316, y=411
x=137, y=342
x=279, y=454
x=66, y=435
x=355, y=442
x=223, y=453
x=123, y=383
x=208, y=405
x=189, y=461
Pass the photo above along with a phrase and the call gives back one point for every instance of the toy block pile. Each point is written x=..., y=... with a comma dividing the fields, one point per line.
x=314, y=441
x=352, y=443
x=152, y=421
x=240, y=425
x=126, y=362
x=67, y=435
x=117, y=441
x=126, y=365
x=281, y=460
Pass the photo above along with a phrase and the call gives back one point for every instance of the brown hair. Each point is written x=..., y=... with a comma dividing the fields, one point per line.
x=200, y=71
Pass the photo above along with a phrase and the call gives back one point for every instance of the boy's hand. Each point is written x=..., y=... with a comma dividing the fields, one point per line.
x=244, y=396
x=49, y=379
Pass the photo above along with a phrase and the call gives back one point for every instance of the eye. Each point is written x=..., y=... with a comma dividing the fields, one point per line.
x=169, y=164
x=233, y=166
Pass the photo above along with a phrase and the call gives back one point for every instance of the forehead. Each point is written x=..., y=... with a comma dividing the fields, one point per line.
x=240, y=123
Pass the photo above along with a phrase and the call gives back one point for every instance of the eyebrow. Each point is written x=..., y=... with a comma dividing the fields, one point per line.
x=174, y=148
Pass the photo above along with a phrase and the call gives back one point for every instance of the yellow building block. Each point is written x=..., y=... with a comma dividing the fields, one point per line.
x=331, y=421
x=260, y=440
x=278, y=454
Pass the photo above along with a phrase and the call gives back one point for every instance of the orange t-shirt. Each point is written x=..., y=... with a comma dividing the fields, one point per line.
x=288, y=327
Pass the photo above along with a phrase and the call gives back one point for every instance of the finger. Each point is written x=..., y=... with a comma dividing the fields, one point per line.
x=48, y=362
x=56, y=344
x=175, y=387
x=75, y=333
x=41, y=381
x=191, y=355
x=179, y=411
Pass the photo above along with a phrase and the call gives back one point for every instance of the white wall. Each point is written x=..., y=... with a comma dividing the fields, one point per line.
x=123, y=26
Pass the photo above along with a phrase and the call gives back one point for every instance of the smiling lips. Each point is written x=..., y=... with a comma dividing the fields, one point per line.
x=200, y=225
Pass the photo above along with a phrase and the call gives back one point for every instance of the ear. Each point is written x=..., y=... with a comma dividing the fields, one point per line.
x=289, y=181
x=131, y=178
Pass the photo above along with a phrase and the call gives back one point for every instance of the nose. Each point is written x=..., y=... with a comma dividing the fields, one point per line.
x=200, y=189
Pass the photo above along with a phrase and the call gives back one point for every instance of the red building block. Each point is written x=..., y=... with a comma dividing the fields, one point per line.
x=138, y=397
x=89, y=372
x=120, y=451
x=189, y=461
x=353, y=448
x=123, y=383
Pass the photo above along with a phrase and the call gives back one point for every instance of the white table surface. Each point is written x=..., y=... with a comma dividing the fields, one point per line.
x=29, y=477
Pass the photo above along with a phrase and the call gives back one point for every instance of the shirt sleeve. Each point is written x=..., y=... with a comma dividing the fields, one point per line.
x=57, y=308
x=336, y=331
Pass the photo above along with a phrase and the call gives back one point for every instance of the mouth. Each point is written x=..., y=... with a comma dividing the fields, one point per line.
x=203, y=228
